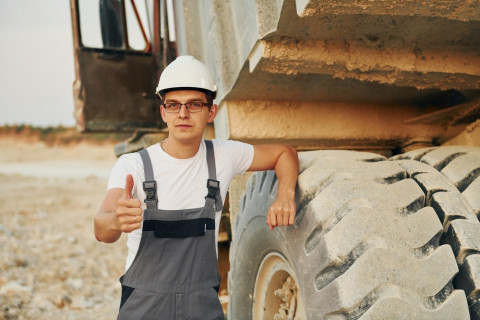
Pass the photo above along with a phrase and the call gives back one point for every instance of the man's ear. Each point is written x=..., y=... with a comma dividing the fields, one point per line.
x=212, y=113
x=162, y=113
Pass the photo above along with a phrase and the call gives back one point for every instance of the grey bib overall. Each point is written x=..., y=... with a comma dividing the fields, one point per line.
x=174, y=274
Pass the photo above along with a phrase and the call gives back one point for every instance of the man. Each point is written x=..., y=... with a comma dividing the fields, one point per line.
x=169, y=197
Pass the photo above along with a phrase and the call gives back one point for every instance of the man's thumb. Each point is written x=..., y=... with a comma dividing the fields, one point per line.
x=128, y=186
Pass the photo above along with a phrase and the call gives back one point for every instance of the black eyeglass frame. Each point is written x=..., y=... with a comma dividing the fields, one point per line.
x=188, y=105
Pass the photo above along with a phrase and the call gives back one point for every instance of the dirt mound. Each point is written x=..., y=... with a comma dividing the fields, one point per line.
x=57, y=136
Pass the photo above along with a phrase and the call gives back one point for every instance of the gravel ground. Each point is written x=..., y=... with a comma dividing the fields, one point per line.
x=51, y=266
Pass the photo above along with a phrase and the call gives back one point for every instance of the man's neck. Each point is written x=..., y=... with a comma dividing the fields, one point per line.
x=180, y=150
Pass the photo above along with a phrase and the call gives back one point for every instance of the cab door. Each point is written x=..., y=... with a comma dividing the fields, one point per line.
x=119, y=53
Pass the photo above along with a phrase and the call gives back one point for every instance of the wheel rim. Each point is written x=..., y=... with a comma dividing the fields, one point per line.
x=276, y=294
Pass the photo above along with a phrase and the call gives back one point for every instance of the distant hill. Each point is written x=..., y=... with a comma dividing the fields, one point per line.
x=58, y=135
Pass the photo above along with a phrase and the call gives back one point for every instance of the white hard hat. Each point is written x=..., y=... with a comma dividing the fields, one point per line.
x=186, y=72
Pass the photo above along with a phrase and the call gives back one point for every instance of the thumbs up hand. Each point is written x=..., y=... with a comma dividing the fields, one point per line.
x=129, y=211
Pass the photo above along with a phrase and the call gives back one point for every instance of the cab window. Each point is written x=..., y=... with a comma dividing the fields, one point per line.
x=116, y=24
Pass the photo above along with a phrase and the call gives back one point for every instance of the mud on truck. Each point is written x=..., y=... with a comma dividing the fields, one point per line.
x=381, y=98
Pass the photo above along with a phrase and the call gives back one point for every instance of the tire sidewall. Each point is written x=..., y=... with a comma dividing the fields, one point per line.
x=255, y=242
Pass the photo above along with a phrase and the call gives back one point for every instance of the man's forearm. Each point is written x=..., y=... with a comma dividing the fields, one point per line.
x=103, y=227
x=286, y=170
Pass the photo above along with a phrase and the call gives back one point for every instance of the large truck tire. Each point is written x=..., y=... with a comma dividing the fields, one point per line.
x=374, y=238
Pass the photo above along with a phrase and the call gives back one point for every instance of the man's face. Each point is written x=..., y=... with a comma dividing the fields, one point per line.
x=187, y=126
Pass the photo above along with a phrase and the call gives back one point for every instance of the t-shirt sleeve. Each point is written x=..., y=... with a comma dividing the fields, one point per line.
x=126, y=164
x=239, y=153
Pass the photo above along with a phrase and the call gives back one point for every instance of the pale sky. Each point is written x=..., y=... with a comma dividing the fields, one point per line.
x=36, y=60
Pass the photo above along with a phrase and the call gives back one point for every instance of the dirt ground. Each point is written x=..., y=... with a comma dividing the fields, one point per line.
x=51, y=266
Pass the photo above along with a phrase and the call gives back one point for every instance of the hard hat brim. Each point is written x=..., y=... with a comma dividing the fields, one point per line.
x=161, y=93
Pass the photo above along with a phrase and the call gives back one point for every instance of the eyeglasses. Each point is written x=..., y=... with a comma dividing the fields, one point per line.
x=192, y=107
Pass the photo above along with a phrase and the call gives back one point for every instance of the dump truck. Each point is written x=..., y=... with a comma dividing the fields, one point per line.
x=382, y=100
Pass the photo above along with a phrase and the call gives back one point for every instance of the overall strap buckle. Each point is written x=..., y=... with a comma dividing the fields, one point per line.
x=213, y=187
x=150, y=188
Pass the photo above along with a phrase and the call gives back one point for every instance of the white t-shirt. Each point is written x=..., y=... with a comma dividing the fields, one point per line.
x=181, y=183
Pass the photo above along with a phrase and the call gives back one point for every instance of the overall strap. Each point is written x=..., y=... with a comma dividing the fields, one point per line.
x=213, y=184
x=212, y=170
x=149, y=185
